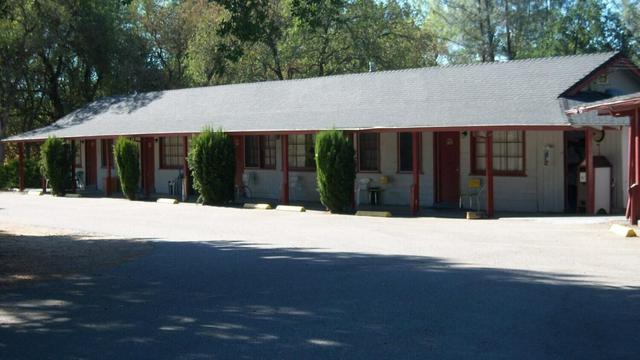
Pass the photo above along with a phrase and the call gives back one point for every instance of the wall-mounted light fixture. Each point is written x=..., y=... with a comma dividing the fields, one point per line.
x=464, y=134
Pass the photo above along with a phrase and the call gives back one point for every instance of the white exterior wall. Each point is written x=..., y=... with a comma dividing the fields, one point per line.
x=614, y=148
x=266, y=183
x=541, y=190
x=162, y=176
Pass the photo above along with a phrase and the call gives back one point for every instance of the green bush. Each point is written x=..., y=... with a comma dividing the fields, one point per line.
x=336, y=170
x=213, y=165
x=56, y=159
x=126, y=155
x=9, y=174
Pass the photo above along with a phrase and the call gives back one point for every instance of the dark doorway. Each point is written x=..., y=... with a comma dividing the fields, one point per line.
x=91, y=163
x=574, y=155
x=238, y=142
x=148, y=165
x=447, y=165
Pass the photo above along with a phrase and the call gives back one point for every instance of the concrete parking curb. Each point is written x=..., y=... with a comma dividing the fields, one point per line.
x=290, y=208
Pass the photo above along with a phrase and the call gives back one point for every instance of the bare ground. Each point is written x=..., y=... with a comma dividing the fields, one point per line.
x=30, y=253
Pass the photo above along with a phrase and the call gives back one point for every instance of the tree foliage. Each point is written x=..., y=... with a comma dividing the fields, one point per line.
x=56, y=159
x=213, y=166
x=56, y=56
x=336, y=174
x=127, y=156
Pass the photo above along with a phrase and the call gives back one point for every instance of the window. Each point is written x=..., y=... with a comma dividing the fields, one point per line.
x=302, y=152
x=171, y=152
x=77, y=145
x=369, y=152
x=268, y=152
x=106, y=149
x=252, y=151
x=260, y=152
x=508, y=153
x=405, y=151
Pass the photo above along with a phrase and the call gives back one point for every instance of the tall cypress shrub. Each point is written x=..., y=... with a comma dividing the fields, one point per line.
x=127, y=156
x=56, y=156
x=336, y=171
x=212, y=162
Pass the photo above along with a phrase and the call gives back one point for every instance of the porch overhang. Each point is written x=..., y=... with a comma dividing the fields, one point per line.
x=627, y=105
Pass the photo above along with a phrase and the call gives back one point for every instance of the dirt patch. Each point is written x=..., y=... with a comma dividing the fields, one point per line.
x=32, y=253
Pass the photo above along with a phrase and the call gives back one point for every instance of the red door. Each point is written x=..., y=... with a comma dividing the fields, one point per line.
x=90, y=162
x=147, y=155
x=238, y=142
x=447, y=155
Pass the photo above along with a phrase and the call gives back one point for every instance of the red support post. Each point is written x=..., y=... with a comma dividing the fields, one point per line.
x=73, y=168
x=489, y=172
x=108, y=156
x=415, y=191
x=635, y=204
x=285, y=168
x=21, y=166
x=591, y=184
x=630, y=214
x=185, y=168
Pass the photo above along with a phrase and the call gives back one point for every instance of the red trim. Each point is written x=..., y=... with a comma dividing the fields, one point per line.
x=108, y=186
x=635, y=204
x=285, y=168
x=631, y=210
x=185, y=166
x=73, y=171
x=436, y=171
x=293, y=132
x=358, y=157
x=489, y=176
x=415, y=194
x=476, y=172
x=21, y=167
x=597, y=72
x=588, y=153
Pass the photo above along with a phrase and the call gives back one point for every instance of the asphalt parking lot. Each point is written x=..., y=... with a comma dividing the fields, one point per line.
x=232, y=283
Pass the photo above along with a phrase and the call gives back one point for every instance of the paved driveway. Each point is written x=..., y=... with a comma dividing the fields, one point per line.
x=233, y=284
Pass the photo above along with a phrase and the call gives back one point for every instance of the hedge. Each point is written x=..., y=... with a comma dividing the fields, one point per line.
x=213, y=165
x=56, y=156
x=336, y=172
x=127, y=157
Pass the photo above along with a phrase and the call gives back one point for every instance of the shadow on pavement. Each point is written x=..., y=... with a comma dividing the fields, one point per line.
x=232, y=300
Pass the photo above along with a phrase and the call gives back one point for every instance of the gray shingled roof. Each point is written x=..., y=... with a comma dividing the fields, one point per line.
x=521, y=92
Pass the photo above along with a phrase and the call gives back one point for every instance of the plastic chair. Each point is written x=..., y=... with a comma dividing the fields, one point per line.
x=475, y=187
x=362, y=185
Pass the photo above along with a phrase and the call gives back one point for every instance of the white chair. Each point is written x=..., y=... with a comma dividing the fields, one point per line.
x=362, y=185
x=295, y=185
x=475, y=187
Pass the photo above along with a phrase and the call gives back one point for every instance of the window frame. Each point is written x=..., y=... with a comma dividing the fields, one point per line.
x=306, y=147
x=260, y=142
x=78, y=155
x=264, y=140
x=180, y=146
x=473, y=140
x=255, y=142
x=359, y=155
x=398, y=163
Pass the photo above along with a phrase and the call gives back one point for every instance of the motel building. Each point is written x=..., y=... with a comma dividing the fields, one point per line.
x=538, y=135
